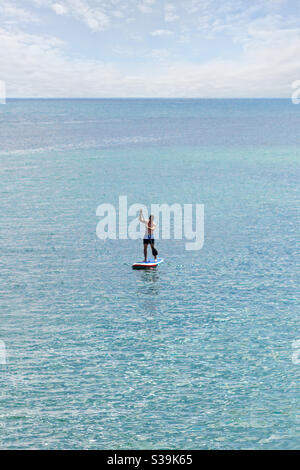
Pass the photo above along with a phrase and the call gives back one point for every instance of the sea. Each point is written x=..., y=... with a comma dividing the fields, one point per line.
x=202, y=352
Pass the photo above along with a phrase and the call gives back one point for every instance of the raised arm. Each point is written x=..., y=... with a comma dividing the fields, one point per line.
x=141, y=218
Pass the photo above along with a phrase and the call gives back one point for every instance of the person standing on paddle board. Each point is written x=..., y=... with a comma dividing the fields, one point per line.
x=149, y=235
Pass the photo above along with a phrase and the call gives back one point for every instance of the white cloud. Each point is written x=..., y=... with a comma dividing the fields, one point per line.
x=45, y=70
x=11, y=13
x=160, y=54
x=94, y=17
x=209, y=17
x=118, y=14
x=59, y=9
x=269, y=65
x=144, y=8
x=170, y=13
x=89, y=12
x=162, y=32
x=232, y=18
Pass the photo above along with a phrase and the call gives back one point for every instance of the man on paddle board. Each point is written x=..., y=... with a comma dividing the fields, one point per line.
x=149, y=235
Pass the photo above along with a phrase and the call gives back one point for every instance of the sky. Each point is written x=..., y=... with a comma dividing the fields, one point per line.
x=149, y=48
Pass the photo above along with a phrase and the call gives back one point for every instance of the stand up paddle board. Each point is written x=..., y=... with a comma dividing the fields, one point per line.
x=147, y=264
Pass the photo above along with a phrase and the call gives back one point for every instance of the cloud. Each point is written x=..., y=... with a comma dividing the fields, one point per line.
x=144, y=8
x=162, y=32
x=270, y=63
x=170, y=13
x=207, y=17
x=160, y=54
x=59, y=9
x=232, y=18
x=94, y=17
x=118, y=14
x=11, y=13
x=45, y=70
x=266, y=63
x=89, y=12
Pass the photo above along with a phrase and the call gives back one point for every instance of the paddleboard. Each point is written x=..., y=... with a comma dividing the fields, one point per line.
x=147, y=264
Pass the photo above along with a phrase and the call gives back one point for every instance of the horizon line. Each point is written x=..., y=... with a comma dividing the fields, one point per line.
x=145, y=98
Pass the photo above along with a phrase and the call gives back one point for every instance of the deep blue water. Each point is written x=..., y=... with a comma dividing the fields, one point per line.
x=197, y=354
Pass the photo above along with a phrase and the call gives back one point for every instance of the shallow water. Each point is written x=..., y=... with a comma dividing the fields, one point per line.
x=196, y=354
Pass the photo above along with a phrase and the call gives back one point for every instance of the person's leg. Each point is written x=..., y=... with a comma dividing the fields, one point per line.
x=154, y=250
x=145, y=251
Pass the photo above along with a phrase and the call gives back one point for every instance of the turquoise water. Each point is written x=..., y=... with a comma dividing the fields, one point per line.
x=197, y=354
